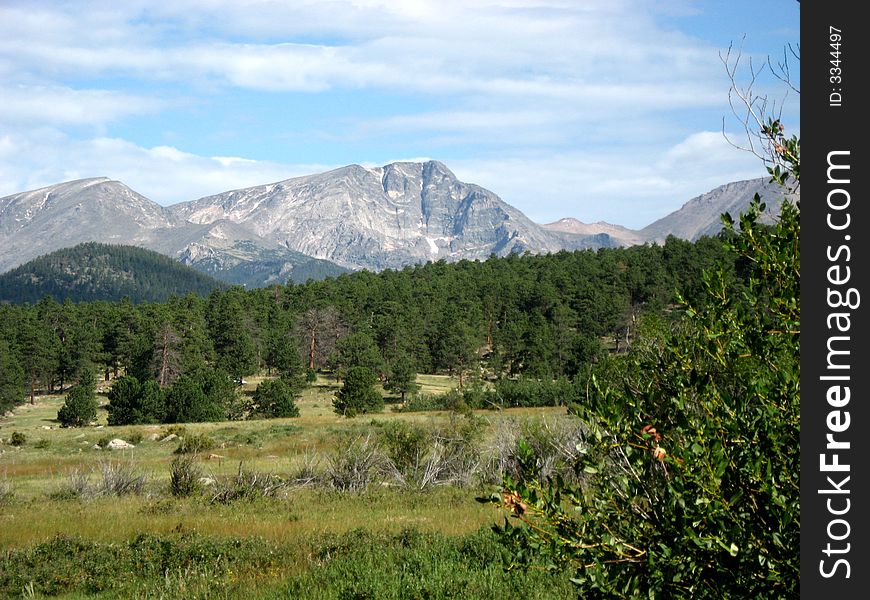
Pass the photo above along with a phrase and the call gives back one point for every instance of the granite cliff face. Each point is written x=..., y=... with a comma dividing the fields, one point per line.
x=375, y=218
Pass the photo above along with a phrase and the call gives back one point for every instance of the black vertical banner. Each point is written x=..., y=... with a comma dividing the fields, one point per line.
x=835, y=407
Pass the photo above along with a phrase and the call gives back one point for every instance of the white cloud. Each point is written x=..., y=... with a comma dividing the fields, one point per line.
x=164, y=174
x=573, y=51
x=569, y=108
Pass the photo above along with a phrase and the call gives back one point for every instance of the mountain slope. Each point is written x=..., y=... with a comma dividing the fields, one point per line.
x=231, y=252
x=384, y=217
x=99, y=209
x=700, y=215
x=619, y=234
x=93, y=271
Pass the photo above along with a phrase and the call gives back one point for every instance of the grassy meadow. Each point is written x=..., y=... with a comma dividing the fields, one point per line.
x=391, y=538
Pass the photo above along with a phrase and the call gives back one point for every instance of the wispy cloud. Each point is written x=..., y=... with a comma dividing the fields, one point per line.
x=56, y=105
x=599, y=109
x=530, y=49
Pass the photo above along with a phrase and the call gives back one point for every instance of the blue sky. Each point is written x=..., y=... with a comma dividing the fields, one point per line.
x=597, y=109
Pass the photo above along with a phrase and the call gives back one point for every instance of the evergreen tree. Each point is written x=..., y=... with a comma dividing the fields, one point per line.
x=402, y=378
x=79, y=407
x=318, y=331
x=11, y=378
x=455, y=344
x=275, y=398
x=166, y=361
x=358, y=350
x=358, y=394
x=133, y=403
x=35, y=344
x=186, y=402
x=203, y=395
x=231, y=332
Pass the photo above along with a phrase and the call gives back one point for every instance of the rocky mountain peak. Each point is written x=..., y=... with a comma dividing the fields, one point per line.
x=355, y=216
x=378, y=217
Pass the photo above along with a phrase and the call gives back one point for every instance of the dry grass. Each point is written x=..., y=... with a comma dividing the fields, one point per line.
x=291, y=448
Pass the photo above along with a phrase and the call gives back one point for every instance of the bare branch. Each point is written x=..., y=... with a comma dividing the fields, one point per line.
x=758, y=115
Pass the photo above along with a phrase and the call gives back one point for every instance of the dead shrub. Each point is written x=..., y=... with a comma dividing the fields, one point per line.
x=184, y=476
x=247, y=485
x=354, y=466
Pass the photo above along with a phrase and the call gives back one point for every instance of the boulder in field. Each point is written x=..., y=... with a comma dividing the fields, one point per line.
x=119, y=444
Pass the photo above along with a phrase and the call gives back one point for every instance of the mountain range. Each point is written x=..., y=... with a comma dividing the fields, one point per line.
x=322, y=225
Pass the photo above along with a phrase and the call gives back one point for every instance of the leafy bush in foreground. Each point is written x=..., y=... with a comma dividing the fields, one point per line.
x=692, y=454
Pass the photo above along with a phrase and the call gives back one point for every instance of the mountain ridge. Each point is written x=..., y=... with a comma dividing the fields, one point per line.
x=99, y=209
x=377, y=217
x=326, y=223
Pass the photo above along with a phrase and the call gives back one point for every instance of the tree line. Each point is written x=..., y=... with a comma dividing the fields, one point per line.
x=531, y=316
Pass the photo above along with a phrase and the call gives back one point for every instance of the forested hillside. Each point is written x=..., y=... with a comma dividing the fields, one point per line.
x=93, y=271
x=521, y=316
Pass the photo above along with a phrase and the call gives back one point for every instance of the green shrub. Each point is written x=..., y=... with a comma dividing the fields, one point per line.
x=421, y=402
x=692, y=460
x=454, y=401
x=405, y=444
x=175, y=429
x=42, y=443
x=195, y=443
x=18, y=439
x=533, y=392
